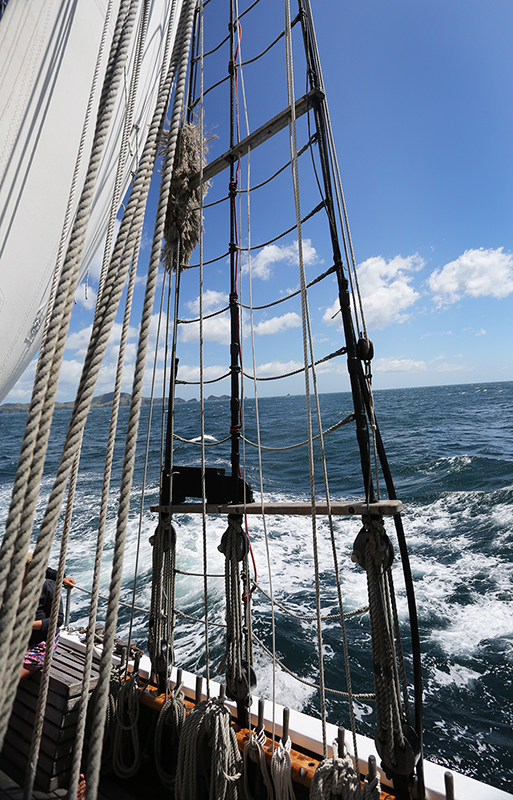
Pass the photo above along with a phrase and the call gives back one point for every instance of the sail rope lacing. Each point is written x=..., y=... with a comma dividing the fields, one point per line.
x=298, y=371
x=336, y=426
x=223, y=310
x=260, y=246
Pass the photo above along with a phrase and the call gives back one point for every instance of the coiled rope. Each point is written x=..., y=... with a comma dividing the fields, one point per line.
x=208, y=725
x=126, y=757
x=167, y=736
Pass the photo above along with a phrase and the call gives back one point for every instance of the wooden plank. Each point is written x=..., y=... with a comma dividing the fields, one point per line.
x=52, y=742
x=54, y=715
x=50, y=758
x=22, y=720
x=59, y=703
x=16, y=768
x=257, y=138
x=17, y=749
x=383, y=508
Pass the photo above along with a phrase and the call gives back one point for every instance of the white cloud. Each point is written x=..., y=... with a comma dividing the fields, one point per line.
x=398, y=365
x=87, y=299
x=278, y=324
x=272, y=368
x=212, y=301
x=476, y=273
x=79, y=340
x=216, y=329
x=386, y=291
x=191, y=373
x=445, y=366
x=272, y=254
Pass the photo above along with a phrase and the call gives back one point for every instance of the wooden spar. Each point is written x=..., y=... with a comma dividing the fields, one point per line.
x=256, y=138
x=383, y=508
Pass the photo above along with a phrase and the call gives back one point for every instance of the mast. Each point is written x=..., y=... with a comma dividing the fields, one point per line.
x=358, y=351
x=234, y=306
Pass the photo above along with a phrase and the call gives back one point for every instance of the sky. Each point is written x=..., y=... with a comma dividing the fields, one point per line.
x=421, y=107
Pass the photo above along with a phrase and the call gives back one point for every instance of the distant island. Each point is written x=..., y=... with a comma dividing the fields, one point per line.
x=105, y=400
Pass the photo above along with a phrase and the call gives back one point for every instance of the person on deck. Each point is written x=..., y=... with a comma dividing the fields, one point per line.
x=35, y=655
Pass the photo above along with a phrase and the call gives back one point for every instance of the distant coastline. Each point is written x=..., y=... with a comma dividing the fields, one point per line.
x=104, y=401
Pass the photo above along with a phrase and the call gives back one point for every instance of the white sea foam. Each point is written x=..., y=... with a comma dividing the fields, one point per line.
x=457, y=674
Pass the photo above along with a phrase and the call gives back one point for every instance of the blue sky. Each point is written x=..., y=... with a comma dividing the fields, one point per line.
x=421, y=105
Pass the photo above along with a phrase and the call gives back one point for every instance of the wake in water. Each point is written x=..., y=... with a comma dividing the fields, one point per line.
x=451, y=452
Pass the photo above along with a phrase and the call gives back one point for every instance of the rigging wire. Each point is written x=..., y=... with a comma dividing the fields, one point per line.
x=306, y=334
x=202, y=386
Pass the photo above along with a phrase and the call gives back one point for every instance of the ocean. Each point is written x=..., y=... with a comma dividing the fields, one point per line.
x=451, y=454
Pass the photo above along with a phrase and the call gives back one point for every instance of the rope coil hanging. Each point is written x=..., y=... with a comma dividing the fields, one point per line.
x=167, y=736
x=207, y=729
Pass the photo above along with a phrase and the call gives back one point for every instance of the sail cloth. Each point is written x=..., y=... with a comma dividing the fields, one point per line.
x=48, y=53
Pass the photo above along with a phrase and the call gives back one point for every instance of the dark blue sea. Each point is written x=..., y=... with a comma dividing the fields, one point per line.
x=451, y=454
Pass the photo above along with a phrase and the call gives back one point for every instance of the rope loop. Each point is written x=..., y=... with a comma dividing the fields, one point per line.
x=127, y=753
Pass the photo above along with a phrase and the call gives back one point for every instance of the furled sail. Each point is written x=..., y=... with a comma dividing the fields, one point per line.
x=48, y=53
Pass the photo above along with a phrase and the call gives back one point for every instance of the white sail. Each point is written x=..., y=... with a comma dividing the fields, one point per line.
x=48, y=53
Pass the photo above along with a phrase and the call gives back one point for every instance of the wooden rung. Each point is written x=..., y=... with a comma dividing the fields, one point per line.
x=384, y=508
x=259, y=136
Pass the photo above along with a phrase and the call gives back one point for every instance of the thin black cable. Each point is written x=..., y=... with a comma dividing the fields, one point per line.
x=289, y=230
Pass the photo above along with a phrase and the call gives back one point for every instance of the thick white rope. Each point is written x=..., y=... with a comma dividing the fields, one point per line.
x=335, y=777
x=164, y=90
x=201, y=365
x=27, y=481
x=171, y=719
x=254, y=750
x=128, y=464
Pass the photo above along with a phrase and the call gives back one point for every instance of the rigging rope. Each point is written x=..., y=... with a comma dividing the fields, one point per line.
x=28, y=477
x=128, y=465
x=281, y=771
x=306, y=336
